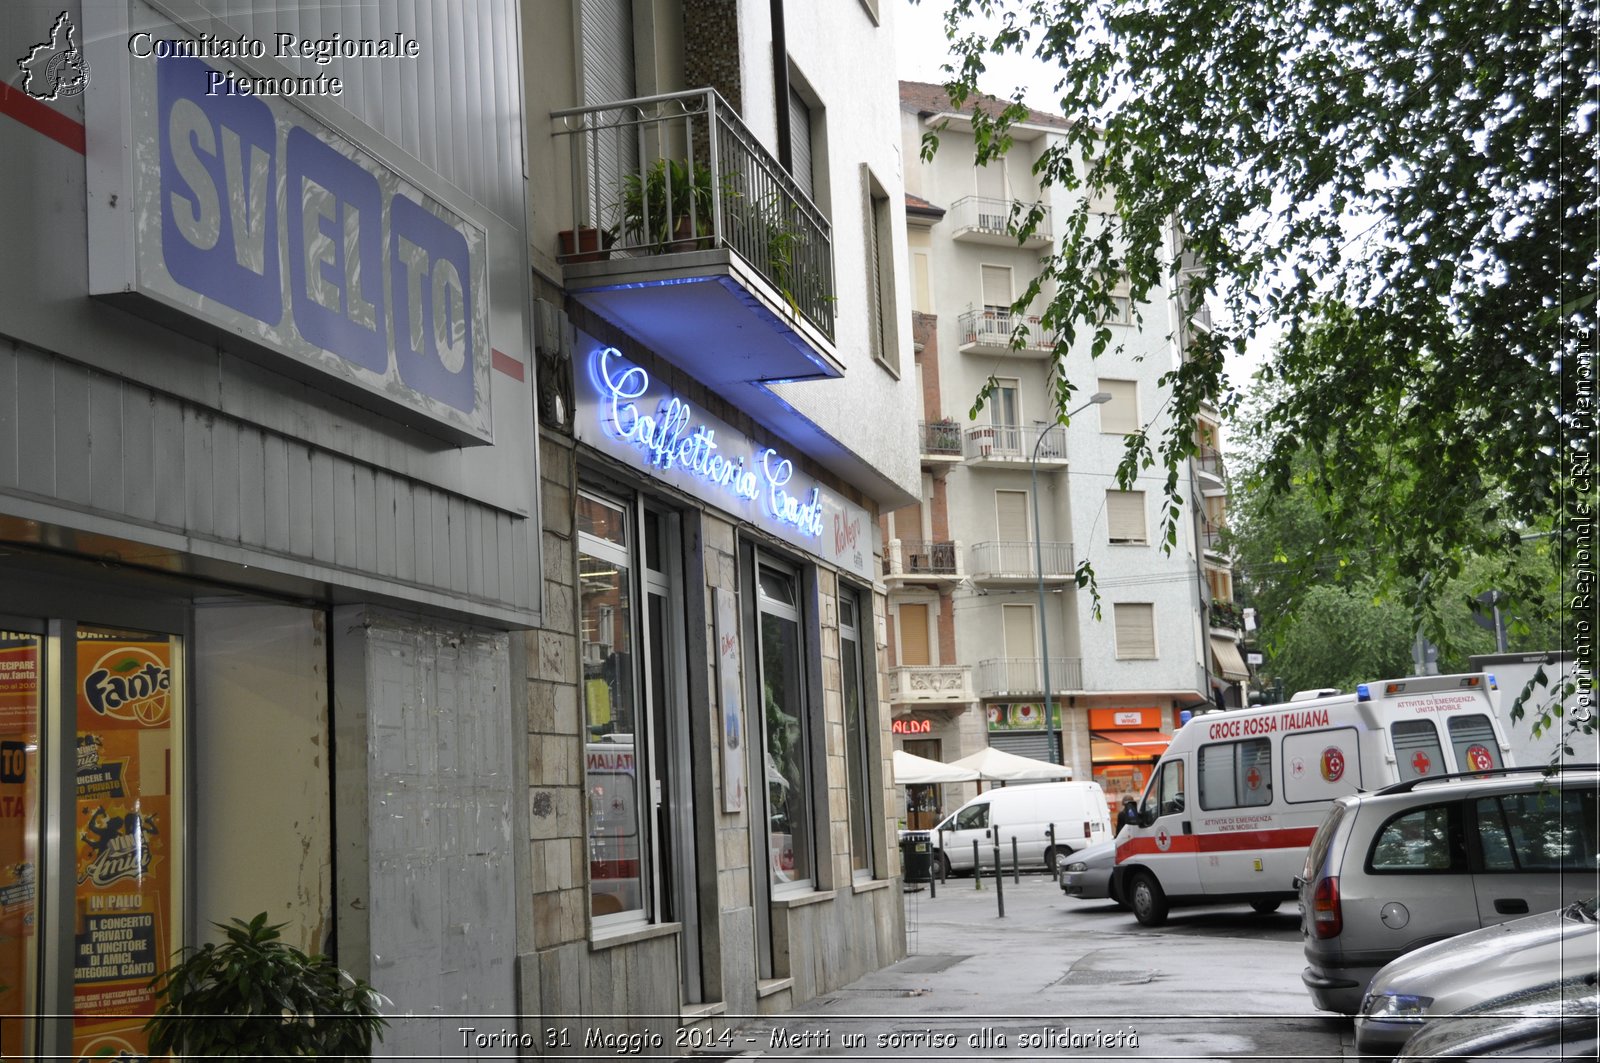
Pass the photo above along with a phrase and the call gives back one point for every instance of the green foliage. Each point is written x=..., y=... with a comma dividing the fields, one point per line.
x=253, y=996
x=1392, y=185
x=669, y=203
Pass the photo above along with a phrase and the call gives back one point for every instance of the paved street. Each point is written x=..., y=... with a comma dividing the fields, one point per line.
x=1065, y=979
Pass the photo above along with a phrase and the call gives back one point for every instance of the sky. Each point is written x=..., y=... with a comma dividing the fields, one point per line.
x=922, y=50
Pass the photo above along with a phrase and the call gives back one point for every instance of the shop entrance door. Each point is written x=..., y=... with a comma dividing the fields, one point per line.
x=92, y=842
x=924, y=801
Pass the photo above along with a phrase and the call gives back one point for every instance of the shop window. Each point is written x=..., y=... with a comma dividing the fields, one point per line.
x=786, y=725
x=1236, y=774
x=857, y=734
x=639, y=837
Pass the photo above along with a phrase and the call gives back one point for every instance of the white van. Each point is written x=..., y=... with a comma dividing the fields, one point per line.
x=1026, y=812
x=1238, y=795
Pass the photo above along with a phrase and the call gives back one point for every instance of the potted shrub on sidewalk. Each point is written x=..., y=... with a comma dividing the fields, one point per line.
x=254, y=996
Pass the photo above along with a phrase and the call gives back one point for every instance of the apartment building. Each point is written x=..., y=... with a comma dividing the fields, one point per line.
x=985, y=613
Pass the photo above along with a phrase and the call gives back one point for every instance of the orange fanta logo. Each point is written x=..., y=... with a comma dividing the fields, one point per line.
x=129, y=683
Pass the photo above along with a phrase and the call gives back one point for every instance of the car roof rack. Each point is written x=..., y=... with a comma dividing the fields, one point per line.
x=1411, y=784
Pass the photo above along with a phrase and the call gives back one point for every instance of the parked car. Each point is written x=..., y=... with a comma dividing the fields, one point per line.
x=1087, y=874
x=1450, y=976
x=1420, y=861
x=1560, y=1021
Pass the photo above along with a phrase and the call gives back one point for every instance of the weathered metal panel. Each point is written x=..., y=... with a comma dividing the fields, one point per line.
x=138, y=454
x=10, y=449
x=251, y=470
x=35, y=427
x=106, y=444
x=195, y=468
x=166, y=420
x=275, y=481
x=228, y=479
x=72, y=444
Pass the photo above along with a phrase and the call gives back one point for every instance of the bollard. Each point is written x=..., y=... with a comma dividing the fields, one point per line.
x=1055, y=862
x=933, y=889
x=977, y=867
x=944, y=863
x=999, y=878
x=1016, y=876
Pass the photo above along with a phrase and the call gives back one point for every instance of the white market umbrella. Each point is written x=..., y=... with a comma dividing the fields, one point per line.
x=915, y=771
x=995, y=765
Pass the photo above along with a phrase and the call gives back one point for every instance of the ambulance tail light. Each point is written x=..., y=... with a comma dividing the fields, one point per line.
x=1327, y=921
x=1363, y=693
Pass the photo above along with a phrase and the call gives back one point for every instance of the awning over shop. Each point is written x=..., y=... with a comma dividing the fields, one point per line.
x=1128, y=745
x=912, y=770
x=1229, y=664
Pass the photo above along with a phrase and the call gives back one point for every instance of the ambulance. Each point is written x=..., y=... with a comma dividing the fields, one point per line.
x=1236, y=798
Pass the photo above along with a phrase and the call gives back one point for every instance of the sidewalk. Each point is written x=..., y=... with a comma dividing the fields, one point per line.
x=1059, y=978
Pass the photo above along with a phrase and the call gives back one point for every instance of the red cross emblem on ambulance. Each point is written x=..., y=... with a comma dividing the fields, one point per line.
x=1479, y=758
x=1252, y=779
x=1333, y=764
x=1163, y=840
x=1420, y=763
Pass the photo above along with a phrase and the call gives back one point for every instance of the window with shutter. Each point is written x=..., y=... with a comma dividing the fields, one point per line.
x=800, y=144
x=1011, y=516
x=1136, y=630
x=914, y=650
x=608, y=76
x=1017, y=623
x=1125, y=516
x=1120, y=416
x=996, y=288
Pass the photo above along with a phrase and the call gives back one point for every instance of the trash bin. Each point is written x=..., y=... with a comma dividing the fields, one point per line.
x=916, y=857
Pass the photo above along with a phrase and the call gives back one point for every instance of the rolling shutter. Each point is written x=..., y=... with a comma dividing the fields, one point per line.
x=1120, y=416
x=996, y=287
x=800, y=144
x=1125, y=516
x=1011, y=516
x=1136, y=630
x=914, y=635
x=608, y=76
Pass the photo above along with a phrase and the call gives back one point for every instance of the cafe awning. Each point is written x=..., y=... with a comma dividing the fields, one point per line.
x=1128, y=745
x=1229, y=664
x=912, y=770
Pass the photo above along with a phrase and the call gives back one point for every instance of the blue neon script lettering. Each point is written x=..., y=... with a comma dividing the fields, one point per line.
x=669, y=440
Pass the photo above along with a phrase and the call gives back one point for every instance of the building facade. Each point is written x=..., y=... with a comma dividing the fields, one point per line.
x=371, y=562
x=985, y=611
x=718, y=257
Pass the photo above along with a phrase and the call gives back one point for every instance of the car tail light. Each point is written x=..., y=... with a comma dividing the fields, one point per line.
x=1085, y=828
x=1326, y=919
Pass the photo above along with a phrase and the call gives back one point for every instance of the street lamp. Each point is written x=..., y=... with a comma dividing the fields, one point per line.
x=1097, y=399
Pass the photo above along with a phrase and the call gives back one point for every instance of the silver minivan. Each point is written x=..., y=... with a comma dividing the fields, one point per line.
x=1410, y=864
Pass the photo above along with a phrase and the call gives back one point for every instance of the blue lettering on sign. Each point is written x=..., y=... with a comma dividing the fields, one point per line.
x=669, y=440
x=219, y=205
x=334, y=211
x=221, y=172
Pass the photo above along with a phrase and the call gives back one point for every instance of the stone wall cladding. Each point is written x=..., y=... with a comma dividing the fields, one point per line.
x=711, y=48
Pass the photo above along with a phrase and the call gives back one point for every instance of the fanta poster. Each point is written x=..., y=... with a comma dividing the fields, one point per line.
x=124, y=840
x=19, y=817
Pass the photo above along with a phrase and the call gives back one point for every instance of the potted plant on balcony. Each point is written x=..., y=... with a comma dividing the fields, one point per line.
x=586, y=244
x=671, y=206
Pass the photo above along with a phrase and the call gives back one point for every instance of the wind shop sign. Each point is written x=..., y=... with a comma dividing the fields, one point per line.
x=623, y=412
x=247, y=215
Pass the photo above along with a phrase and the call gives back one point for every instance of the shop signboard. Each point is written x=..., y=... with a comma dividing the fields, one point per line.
x=19, y=827
x=626, y=413
x=1022, y=716
x=217, y=210
x=1141, y=719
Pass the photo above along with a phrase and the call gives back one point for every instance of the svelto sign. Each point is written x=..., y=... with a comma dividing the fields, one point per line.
x=248, y=214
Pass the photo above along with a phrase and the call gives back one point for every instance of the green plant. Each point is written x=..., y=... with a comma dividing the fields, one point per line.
x=253, y=996
x=670, y=203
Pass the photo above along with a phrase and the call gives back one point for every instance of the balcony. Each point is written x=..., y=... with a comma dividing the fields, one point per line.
x=940, y=441
x=688, y=235
x=1209, y=462
x=983, y=220
x=990, y=332
x=910, y=561
x=1011, y=444
x=1211, y=537
x=945, y=685
x=1011, y=677
x=1018, y=562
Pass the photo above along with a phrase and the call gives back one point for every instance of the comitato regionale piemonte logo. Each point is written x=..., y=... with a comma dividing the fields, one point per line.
x=55, y=68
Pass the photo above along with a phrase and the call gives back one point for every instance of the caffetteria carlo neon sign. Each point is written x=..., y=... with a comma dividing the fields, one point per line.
x=670, y=440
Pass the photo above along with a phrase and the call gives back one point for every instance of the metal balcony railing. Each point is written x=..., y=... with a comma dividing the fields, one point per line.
x=1210, y=461
x=1024, y=676
x=996, y=329
x=681, y=172
x=992, y=216
x=940, y=438
x=1012, y=442
x=1019, y=560
x=913, y=558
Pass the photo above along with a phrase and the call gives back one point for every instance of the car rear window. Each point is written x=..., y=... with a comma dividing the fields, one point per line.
x=1322, y=842
x=1540, y=830
x=1415, y=841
